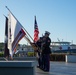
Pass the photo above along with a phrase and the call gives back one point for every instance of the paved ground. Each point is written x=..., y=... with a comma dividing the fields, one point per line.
x=59, y=68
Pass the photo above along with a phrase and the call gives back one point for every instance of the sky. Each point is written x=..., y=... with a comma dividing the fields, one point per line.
x=56, y=16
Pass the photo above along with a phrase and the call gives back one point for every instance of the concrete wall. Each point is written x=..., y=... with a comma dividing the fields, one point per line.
x=70, y=58
x=17, y=67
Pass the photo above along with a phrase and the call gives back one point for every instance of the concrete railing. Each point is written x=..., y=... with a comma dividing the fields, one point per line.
x=70, y=58
x=21, y=58
x=17, y=67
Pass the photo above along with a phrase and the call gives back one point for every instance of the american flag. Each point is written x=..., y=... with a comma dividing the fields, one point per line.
x=36, y=31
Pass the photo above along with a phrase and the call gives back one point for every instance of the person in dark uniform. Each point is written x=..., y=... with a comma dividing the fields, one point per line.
x=46, y=52
x=38, y=43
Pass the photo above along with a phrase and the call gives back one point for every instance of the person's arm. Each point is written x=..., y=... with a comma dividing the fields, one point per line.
x=47, y=42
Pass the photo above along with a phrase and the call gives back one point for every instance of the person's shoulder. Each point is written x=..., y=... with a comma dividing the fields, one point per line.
x=49, y=38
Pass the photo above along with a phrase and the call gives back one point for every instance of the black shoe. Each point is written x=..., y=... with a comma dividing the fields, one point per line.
x=38, y=67
x=45, y=70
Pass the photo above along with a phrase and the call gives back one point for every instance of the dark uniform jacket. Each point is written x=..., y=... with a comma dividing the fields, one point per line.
x=46, y=46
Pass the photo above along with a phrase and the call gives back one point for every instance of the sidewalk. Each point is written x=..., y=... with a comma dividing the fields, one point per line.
x=59, y=68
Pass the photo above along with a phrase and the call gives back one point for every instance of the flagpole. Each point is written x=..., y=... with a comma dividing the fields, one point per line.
x=19, y=22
